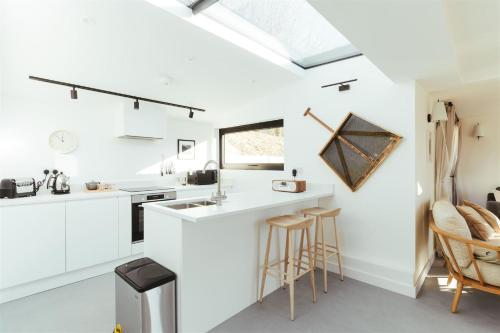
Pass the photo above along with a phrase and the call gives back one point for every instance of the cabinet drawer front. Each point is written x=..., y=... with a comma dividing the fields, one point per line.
x=91, y=232
x=32, y=243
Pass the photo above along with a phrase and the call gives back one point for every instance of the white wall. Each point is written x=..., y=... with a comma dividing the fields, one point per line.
x=378, y=221
x=479, y=164
x=479, y=167
x=424, y=178
x=25, y=126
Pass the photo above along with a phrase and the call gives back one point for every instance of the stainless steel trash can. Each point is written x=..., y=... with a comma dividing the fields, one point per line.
x=145, y=297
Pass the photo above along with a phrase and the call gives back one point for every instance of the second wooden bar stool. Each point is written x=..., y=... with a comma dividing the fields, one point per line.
x=321, y=248
x=290, y=223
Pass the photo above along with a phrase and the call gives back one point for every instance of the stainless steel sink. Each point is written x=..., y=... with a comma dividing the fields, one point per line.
x=193, y=204
x=204, y=203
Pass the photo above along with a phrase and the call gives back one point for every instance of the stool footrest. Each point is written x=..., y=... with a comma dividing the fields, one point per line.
x=283, y=276
x=320, y=245
x=328, y=262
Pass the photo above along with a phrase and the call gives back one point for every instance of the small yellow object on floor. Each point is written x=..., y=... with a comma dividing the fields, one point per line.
x=118, y=329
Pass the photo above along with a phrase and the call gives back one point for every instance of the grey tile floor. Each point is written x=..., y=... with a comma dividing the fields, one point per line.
x=349, y=306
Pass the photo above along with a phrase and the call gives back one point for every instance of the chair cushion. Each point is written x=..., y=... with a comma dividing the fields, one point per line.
x=491, y=218
x=496, y=194
x=489, y=272
x=477, y=224
x=488, y=255
x=448, y=219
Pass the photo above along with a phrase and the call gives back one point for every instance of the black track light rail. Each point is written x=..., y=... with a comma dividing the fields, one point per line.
x=338, y=83
x=108, y=92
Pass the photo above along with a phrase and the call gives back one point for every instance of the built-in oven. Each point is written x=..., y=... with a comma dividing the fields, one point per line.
x=138, y=211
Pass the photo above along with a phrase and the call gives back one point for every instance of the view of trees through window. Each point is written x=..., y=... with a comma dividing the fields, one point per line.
x=254, y=146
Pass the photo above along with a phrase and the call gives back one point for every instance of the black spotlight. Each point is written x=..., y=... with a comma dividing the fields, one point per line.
x=74, y=93
x=191, y=113
x=136, y=104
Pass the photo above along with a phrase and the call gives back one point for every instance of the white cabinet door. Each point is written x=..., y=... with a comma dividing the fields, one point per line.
x=32, y=243
x=125, y=227
x=91, y=232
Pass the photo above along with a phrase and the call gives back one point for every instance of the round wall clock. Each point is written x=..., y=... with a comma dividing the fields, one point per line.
x=63, y=142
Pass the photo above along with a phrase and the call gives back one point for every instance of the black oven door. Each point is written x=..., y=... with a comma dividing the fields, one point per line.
x=137, y=222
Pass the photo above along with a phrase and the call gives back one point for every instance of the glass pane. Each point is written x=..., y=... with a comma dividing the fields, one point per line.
x=299, y=31
x=254, y=146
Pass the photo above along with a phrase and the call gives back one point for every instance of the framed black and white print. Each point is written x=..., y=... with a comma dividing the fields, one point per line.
x=185, y=149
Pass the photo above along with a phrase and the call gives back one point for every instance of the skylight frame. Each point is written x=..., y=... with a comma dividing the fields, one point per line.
x=202, y=21
x=327, y=62
x=243, y=25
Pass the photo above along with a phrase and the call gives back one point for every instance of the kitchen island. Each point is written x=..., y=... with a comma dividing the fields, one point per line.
x=217, y=251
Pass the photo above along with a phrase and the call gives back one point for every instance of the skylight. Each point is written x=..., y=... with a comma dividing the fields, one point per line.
x=188, y=3
x=291, y=28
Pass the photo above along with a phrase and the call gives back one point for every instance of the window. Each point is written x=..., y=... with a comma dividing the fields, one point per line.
x=292, y=29
x=298, y=31
x=258, y=146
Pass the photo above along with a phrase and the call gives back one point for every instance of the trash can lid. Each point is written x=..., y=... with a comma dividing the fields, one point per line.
x=144, y=274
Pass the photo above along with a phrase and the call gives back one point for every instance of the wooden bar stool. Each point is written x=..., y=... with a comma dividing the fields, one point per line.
x=290, y=223
x=321, y=248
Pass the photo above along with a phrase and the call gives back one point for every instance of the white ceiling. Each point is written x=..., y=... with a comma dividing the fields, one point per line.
x=126, y=46
x=473, y=99
x=130, y=45
x=475, y=31
x=440, y=43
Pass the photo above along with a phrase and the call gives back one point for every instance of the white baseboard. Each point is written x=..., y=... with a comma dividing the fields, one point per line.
x=389, y=278
x=27, y=289
x=419, y=282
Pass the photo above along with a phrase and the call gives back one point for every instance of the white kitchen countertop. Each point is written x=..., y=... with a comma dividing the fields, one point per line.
x=47, y=197
x=241, y=202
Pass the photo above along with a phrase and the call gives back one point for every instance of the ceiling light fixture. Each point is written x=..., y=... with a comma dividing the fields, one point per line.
x=74, y=93
x=191, y=113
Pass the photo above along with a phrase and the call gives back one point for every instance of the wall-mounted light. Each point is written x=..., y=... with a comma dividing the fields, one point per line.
x=438, y=112
x=478, y=131
x=136, y=104
x=74, y=93
x=191, y=113
x=343, y=85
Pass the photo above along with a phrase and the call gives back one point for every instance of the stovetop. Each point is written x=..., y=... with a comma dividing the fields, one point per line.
x=148, y=188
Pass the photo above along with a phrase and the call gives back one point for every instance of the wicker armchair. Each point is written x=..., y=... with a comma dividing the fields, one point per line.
x=472, y=275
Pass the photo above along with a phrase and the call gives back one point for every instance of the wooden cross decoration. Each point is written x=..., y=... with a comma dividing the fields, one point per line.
x=356, y=149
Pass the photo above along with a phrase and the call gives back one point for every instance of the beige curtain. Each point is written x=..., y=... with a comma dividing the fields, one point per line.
x=448, y=142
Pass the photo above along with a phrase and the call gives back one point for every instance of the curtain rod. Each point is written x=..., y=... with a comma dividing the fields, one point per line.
x=108, y=92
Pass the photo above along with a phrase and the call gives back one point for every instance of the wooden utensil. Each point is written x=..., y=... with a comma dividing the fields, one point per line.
x=309, y=113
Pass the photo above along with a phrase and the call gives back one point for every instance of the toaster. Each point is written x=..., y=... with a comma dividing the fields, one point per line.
x=293, y=186
x=17, y=187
